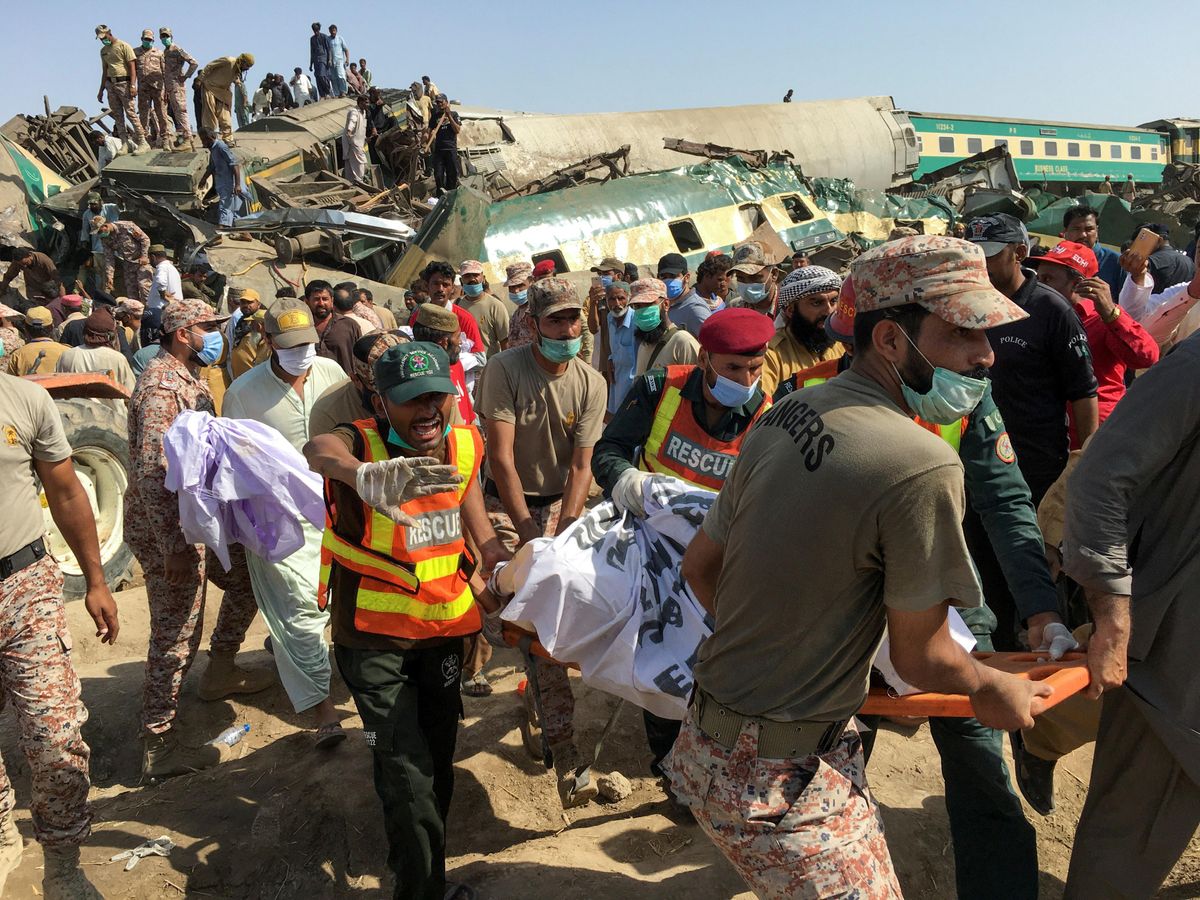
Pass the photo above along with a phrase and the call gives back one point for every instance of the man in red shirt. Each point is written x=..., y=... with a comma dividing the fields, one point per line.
x=1117, y=342
x=439, y=276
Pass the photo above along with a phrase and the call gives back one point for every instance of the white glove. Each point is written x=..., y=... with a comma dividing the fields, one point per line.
x=1057, y=639
x=390, y=483
x=627, y=492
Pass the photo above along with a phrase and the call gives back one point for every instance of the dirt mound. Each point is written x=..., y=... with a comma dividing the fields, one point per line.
x=283, y=820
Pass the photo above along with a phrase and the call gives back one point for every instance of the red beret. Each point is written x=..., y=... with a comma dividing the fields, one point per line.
x=545, y=267
x=742, y=332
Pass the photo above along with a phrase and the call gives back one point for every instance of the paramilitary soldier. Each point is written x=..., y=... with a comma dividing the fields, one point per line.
x=399, y=490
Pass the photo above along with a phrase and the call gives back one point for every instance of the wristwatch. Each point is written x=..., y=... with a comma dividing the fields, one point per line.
x=1116, y=313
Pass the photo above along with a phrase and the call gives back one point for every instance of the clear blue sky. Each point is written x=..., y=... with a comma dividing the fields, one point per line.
x=1067, y=62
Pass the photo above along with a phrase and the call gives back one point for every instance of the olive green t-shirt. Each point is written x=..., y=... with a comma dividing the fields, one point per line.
x=552, y=414
x=30, y=429
x=492, y=318
x=839, y=506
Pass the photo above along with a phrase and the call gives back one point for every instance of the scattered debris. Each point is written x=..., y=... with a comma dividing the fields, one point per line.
x=160, y=846
x=613, y=787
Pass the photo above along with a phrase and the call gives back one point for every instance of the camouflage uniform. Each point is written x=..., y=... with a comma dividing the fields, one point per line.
x=165, y=389
x=804, y=827
x=554, y=688
x=120, y=100
x=176, y=63
x=10, y=339
x=128, y=244
x=40, y=683
x=152, y=97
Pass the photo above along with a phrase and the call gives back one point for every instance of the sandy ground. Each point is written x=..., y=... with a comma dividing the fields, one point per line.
x=283, y=820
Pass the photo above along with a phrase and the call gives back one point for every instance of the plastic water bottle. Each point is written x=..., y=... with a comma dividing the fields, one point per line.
x=231, y=736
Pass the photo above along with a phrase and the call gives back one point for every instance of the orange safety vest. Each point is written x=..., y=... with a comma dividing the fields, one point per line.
x=678, y=446
x=414, y=577
x=822, y=372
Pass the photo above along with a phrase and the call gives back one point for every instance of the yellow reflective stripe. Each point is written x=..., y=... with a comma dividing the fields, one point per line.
x=464, y=455
x=402, y=604
x=437, y=567
x=668, y=405
x=809, y=382
x=952, y=434
x=368, y=564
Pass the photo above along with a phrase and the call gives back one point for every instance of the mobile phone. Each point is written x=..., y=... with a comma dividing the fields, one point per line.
x=1145, y=243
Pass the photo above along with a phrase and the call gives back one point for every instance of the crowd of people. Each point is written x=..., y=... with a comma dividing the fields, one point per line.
x=914, y=420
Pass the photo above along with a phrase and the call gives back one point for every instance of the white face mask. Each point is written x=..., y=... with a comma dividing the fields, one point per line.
x=296, y=360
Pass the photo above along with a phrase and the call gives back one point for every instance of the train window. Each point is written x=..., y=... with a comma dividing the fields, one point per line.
x=1116, y=150
x=946, y=144
x=1072, y=149
x=974, y=145
x=1135, y=152
x=920, y=144
x=560, y=264
x=1027, y=148
x=796, y=209
x=1052, y=148
x=1094, y=151
x=1154, y=153
x=752, y=215
x=687, y=238
x=1000, y=142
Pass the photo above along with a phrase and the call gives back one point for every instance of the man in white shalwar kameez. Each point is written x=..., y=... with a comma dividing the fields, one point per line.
x=281, y=394
x=354, y=142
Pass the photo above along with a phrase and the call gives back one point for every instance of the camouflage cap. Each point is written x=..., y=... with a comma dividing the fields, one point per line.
x=186, y=313
x=518, y=272
x=945, y=275
x=290, y=323
x=7, y=312
x=384, y=341
x=133, y=307
x=103, y=31
x=147, y=34
x=749, y=258
x=164, y=32
x=551, y=295
x=647, y=290
x=470, y=267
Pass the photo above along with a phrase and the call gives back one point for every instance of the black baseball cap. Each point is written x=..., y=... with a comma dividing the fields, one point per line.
x=995, y=232
x=410, y=370
x=672, y=264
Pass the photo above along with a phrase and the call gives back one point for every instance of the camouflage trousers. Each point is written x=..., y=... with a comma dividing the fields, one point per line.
x=137, y=278
x=39, y=682
x=554, y=688
x=177, y=620
x=127, y=126
x=176, y=95
x=152, y=109
x=792, y=828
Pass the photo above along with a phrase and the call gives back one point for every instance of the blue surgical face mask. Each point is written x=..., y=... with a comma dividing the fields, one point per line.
x=731, y=394
x=674, y=287
x=472, y=290
x=647, y=318
x=519, y=298
x=560, y=351
x=166, y=42
x=949, y=398
x=606, y=280
x=752, y=293
x=210, y=351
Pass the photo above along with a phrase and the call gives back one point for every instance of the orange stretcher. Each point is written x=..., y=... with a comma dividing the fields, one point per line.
x=1067, y=677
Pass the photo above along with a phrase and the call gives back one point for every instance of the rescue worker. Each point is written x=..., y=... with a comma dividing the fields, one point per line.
x=400, y=487
x=797, y=624
x=178, y=67
x=152, y=97
x=176, y=570
x=215, y=82
x=119, y=77
x=36, y=672
x=995, y=850
x=807, y=297
x=88, y=238
x=40, y=354
x=687, y=422
x=126, y=243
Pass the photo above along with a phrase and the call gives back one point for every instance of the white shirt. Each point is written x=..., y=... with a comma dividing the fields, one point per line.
x=259, y=394
x=1159, y=314
x=301, y=89
x=166, y=281
x=110, y=150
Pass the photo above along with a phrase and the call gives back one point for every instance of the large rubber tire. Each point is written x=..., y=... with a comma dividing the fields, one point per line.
x=99, y=439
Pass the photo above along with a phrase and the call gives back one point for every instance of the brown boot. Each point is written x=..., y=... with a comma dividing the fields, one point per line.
x=11, y=846
x=569, y=767
x=63, y=879
x=163, y=756
x=223, y=678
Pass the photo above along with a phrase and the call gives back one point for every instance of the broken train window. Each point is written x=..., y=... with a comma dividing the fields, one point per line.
x=687, y=238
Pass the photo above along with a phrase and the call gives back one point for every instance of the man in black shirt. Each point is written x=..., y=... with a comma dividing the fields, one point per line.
x=1042, y=363
x=445, y=145
x=1168, y=266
